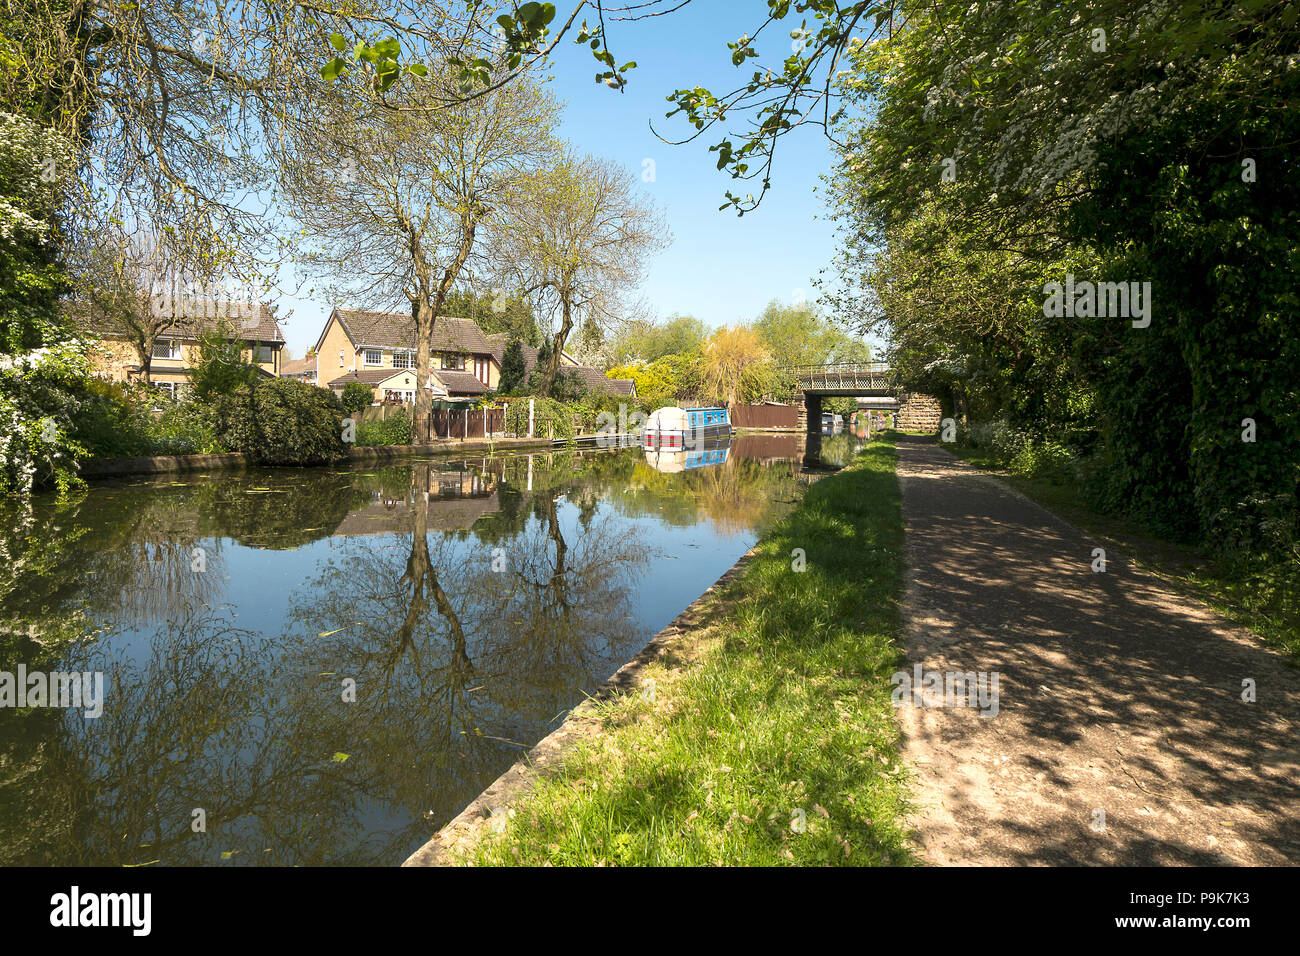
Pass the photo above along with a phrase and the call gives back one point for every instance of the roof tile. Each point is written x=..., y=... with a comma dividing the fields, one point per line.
x=396, y=330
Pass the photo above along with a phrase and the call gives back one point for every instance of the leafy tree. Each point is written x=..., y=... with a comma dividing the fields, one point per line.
x=221, y=367
x=31, y=274
x=682, y=370
x=646, y=340
x=797, y=335
x=356, y=396
x=735, y=367
x=1156, y=153
x=512, y=368
x=495, y=311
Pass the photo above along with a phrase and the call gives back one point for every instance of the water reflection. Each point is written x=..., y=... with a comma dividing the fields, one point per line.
x=365, y=650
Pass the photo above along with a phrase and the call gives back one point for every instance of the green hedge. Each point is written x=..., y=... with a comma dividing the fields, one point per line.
x=282, y=422
x=356, y=396
x=122, y=421
x=394, y=430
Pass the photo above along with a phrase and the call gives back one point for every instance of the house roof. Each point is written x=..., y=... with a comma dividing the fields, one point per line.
x=595, y=379
x=291, y=367
x=445, y=514
x=498, y=341
x=252, y=322
x=460, y=383
x=396, y=330
x=370, y=376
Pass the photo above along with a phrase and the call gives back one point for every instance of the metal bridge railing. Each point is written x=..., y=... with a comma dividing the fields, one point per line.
x=841, y=375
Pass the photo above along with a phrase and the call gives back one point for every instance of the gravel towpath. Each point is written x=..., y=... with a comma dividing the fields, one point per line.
x=1121, y=736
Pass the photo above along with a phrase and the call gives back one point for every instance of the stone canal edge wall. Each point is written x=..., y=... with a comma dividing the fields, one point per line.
x=236, y=461
x=582, y=723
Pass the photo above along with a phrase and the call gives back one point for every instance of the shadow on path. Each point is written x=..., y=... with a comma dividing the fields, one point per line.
x=1117, y=694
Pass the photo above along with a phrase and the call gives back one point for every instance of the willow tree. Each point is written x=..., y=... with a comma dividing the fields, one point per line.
x=578, y=236
x=394, y=202
x=735, y=365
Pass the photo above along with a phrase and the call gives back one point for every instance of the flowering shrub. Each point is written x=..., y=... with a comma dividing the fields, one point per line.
x=40, y=398
x=31, y=278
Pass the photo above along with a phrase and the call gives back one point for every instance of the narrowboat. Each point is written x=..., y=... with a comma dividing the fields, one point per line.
x=685, y=427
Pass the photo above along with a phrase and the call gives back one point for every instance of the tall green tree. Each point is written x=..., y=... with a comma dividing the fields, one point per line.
x=496, y=311
x=512, y=368
x=1158, y=153
x=645, y=340
x=800, y=335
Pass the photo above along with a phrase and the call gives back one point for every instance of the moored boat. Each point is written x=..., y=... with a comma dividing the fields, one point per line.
x=674, y=427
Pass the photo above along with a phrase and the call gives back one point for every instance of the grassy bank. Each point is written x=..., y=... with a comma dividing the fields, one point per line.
x=776, y=743
x=1267, y=608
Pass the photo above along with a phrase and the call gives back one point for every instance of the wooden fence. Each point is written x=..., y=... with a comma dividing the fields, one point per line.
x=765, y=416
x=460, y=423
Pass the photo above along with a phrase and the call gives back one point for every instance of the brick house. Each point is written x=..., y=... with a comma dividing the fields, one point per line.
x=378, y=348
x=176, y=350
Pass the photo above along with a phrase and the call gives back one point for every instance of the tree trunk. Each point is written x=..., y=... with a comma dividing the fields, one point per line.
x=426, y=304
x=557, y=349
x=434, y=306
x=144, y=351
x=423, y=314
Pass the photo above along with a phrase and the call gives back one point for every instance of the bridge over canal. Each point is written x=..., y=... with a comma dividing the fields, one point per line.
x=871, y=380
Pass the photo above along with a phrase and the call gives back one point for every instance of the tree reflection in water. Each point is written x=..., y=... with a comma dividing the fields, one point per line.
x=241, y=711
x=459, y=666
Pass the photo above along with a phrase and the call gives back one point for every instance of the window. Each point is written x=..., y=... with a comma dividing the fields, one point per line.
x=340, y=358
x=166, y=349
x=453, y=361
x=374, y=357
x=404, y=358
x=263, y=354
x=168, y=387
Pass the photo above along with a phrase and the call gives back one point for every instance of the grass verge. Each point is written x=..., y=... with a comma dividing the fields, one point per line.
x=777, y=743
x=1239, y=599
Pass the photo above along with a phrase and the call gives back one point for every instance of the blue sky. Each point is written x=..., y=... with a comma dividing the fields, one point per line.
x=720, y=268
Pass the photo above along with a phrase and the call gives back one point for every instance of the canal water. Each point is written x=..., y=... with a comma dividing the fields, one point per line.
x=324, y=666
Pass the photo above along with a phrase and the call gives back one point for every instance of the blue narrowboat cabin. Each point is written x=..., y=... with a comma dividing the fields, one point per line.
x=685, y=427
